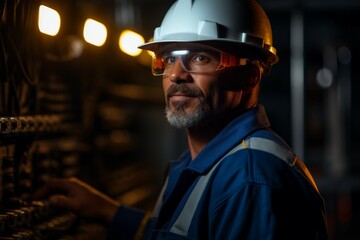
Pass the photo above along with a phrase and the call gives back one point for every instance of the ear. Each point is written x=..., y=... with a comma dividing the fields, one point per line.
x=255, y=74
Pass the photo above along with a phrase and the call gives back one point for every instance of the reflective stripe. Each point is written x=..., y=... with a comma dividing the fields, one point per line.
x=266, y=145
x=182, y=223
x=269, y=146
x=159, y=201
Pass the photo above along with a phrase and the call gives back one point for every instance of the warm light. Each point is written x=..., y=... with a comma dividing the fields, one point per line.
x=49, y=21
x=129, y=42
x=95, y=32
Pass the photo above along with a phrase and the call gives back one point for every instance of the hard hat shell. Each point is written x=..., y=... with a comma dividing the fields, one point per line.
x=235, y=25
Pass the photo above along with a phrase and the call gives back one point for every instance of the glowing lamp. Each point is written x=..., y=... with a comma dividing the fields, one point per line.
x=129, y=42
x=95, y=32
x=49, y=20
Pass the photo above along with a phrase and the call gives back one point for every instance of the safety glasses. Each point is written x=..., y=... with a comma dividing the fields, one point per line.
x=195, y=60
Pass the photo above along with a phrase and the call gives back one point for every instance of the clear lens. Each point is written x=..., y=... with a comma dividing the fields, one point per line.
x=195, y=61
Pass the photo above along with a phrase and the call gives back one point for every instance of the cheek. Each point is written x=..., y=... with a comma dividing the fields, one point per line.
x=229, y=92
x=165, y=85
x=213, y=91
x=208, y=85
x=226, y=98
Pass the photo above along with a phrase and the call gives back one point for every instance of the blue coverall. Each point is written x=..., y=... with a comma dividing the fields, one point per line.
x=252, y=194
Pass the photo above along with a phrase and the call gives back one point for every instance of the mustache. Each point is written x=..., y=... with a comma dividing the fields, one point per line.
x=183, y=89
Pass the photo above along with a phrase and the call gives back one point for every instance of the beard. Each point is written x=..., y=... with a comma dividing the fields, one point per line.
x=181, y=115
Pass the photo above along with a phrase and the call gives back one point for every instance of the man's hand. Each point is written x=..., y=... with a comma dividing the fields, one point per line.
x=79, y=197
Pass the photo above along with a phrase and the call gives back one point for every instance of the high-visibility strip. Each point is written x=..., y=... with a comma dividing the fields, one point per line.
x=182, y=223
x=161, y=195
x=160, y=199
x=285, y=154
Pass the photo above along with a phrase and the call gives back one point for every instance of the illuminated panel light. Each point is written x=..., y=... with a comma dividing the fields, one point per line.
x=95, y=32
x=49, y=21
x=129, y=42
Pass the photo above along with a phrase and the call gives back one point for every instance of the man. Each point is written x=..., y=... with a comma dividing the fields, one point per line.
x=238, y=179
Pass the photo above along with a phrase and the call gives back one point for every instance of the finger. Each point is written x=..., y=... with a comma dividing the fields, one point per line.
x=61, y=201
x=54, y=186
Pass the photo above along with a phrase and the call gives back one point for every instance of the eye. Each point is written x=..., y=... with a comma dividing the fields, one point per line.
x=169, y=59
x=200, y=59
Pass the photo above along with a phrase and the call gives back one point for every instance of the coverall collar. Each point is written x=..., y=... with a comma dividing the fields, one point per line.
x=229, y=137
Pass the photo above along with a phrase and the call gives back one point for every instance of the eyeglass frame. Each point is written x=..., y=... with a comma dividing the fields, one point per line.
x=226, y=59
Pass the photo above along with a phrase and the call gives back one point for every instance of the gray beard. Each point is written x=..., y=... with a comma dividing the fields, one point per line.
x=180, y=118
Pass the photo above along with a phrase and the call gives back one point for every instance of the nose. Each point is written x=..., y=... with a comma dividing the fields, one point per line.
x=177, y=73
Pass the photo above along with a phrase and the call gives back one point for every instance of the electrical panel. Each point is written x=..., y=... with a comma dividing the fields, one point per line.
x=58, y=119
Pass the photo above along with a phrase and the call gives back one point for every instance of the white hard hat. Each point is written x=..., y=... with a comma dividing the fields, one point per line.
x=238, y=25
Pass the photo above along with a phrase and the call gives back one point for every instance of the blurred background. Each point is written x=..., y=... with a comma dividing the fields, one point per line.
x=77, y=99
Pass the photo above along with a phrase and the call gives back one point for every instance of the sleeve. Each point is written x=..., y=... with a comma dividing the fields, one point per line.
x=128, y=224
x=264, y=198
x=260, y=211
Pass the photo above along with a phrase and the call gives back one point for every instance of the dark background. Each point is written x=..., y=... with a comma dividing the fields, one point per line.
x=99, y=116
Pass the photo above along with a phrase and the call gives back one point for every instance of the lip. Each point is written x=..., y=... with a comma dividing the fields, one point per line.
x=178, y=96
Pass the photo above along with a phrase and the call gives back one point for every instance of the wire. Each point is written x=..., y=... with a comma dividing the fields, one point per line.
x=23, y=70
x=18, y=69
x=3, y=14
x=13, y=98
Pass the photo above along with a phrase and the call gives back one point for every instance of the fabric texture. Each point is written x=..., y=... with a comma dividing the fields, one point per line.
x=251, y=194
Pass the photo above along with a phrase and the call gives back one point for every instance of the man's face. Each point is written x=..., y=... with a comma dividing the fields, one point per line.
x=194, y=98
